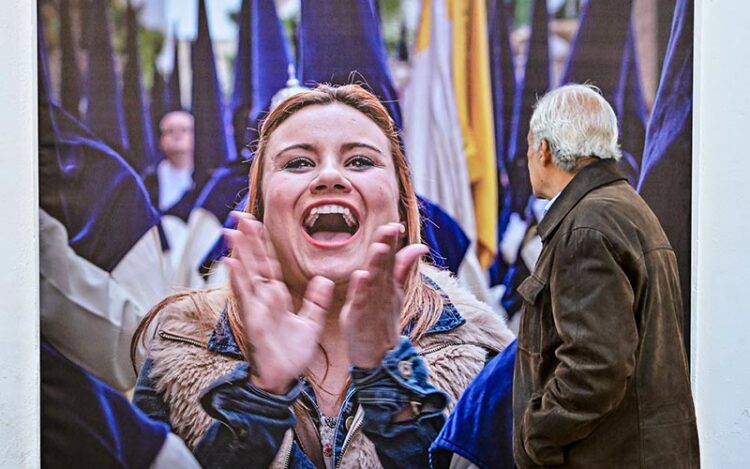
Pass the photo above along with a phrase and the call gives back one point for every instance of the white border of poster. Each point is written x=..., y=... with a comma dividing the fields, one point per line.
x=19, y=249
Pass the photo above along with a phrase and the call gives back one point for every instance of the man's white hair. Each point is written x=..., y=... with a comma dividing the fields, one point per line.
x=577, y=122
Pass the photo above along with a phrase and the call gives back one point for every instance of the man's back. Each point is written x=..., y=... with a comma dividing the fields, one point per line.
x=601, y=374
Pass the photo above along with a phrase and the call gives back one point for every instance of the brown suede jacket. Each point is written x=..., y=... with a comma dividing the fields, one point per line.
x=601, y=376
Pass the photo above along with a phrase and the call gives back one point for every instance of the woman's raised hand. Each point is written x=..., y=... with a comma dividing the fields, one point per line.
x=282, y=343
x=372, y=312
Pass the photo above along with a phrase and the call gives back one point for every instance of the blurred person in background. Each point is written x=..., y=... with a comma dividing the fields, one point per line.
x=172, y=178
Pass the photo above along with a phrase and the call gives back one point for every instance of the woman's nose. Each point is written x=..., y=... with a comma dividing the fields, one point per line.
x=330, y=178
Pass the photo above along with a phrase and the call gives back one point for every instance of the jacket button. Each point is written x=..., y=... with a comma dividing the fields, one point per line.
x=405, y=369
x=348, y=422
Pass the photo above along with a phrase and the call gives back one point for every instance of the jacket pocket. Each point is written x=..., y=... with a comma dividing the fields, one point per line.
x=530, y=329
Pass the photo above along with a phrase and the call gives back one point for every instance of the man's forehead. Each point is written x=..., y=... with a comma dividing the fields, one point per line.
x=176, y=118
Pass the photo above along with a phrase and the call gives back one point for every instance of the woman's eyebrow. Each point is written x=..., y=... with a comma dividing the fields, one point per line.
x=301, y=146
x=352, y=145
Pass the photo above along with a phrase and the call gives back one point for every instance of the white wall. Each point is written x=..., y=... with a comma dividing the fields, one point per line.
x=19, y=356
x=721, y=230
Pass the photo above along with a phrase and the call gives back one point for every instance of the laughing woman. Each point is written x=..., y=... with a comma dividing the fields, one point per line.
x=334, y=345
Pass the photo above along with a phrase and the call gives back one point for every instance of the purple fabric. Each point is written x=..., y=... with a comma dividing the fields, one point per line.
x=503, y=92
x=480, y=428
x=225, y=188
x=242, y=95
x=158, y=107
x=535, y=82
x=503, y=75
x=340, y=42
x=86, y=185
x=142, y=153
x=599, y=44
x=105, y=115
x=403, y=46
x=212, y=148
x=173, y=96
x=270, y=61
x=666, y=172
x=631, y=112
x=447, y=241
x=87, y=424
x=70, y=74
x=263, y=57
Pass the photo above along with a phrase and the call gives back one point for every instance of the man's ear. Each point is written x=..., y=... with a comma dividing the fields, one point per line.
x=545, y=156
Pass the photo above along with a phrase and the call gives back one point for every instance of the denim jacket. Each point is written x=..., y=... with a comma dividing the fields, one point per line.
x=251, y=428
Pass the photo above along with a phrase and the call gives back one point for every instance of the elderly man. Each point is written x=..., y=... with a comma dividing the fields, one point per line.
x=601, y=376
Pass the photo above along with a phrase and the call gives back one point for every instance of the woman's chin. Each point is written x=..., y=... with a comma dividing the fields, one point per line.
x=337, y=276
x=337, y=271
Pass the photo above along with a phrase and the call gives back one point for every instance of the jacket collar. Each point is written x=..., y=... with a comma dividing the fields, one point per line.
x=222, y=340
x=594, y=175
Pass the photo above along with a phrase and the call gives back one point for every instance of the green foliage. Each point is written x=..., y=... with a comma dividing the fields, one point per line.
x=150, y=41
x=522, y=12
x=390, y=22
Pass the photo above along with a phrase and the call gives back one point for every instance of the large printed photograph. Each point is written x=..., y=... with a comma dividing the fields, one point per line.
x=162, y=160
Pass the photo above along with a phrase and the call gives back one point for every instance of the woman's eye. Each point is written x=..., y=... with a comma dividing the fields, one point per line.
x=361, y=162
x=298, y=163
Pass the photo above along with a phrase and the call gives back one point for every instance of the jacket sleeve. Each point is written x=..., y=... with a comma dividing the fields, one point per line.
x=401, y=380
x=147, y=398
x=592, y=307
x=250, y=423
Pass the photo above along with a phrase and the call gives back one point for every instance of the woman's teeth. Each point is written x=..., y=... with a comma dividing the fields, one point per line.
x=327, y=209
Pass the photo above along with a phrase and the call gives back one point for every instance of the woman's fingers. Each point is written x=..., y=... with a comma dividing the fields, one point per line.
x=357, y=293
x=267, y=294
x=381, y=253
x=389, y=234
x=239, y=243
x=275, y=267
x=406, y=259
x=242, y=287
x=255, y=247
x=385, y=264
x=237, y=276
x=238, y=215
x=273, y=260
x=317, y=300
x=379, y=262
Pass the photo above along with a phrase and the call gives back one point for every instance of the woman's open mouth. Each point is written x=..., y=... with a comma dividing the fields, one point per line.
x=331, y=224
